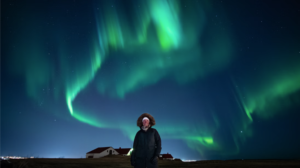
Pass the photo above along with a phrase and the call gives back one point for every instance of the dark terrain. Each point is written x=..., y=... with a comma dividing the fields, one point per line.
x=124, y=162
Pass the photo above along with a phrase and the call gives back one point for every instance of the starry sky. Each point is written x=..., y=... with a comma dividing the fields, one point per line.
x=221, y=77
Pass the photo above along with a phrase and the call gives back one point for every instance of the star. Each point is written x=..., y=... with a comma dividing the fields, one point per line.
x=241, y=131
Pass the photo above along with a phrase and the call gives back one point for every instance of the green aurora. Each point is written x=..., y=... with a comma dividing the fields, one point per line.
x=160, y=39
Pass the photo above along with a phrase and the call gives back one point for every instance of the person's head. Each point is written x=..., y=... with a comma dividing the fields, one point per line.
x=145, y=121
x=142, y=120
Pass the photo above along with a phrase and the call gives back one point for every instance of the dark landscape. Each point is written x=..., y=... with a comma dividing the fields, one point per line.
x=124, y=162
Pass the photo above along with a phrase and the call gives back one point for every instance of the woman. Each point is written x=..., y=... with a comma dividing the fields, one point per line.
x=147, y=144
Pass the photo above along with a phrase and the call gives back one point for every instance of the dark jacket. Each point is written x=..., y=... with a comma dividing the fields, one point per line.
x=146, y=149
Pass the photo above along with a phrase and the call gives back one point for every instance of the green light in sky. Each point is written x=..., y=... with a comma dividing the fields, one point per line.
x=203, y=140
x=165, y=15
x=160, y=39
x=160, y=45
x=79, y=83
x=270, y=93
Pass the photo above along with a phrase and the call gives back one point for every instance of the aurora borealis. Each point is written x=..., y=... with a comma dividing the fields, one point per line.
x=221, y=78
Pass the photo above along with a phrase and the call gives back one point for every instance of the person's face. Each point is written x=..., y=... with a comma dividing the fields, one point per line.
x=145, y=123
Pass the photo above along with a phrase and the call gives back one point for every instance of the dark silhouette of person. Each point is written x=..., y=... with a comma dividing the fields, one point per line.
x=147, y=144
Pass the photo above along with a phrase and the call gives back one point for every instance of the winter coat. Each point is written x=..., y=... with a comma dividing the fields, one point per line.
x=146, y=145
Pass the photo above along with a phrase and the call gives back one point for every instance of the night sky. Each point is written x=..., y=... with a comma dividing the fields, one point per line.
x=221, y=77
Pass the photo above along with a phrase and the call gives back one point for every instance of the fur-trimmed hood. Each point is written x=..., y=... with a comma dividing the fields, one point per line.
x=151, y=118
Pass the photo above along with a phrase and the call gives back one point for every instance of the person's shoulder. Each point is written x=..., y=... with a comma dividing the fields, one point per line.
x=153, y=129
x=139, y=131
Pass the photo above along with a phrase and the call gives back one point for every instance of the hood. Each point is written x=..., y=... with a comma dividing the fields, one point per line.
x=140, y=122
